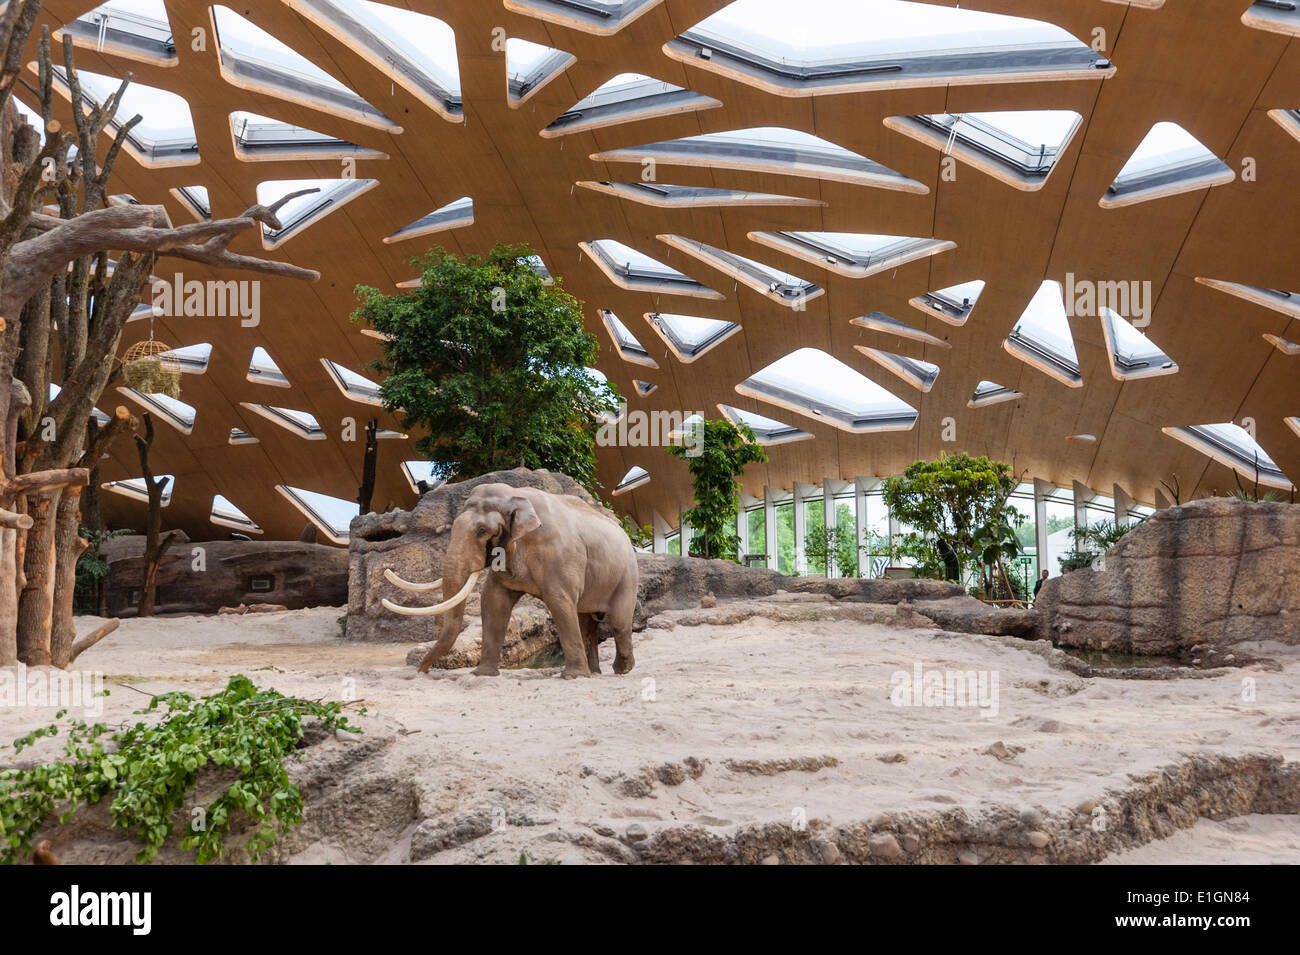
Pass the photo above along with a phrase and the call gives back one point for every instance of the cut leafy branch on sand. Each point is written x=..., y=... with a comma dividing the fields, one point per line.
x=61, y=295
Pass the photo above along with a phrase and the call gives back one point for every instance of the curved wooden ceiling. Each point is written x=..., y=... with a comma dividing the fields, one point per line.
x=1195, y=64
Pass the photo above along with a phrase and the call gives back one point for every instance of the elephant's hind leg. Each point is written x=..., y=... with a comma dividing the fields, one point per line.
x=620, y=621
x=590, y=627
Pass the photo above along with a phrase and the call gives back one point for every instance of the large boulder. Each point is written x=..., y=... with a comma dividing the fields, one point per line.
x=1213, y=572
x=413, y=543
x=204, y=576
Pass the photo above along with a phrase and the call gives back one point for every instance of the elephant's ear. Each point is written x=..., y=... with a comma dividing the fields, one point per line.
x=523, y=518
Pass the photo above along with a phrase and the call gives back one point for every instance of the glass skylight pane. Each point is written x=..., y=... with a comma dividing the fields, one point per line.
x=766, y=430
x=635, y=477
x=844, y=45
x=632, y=269
x=1132, y=354
x=417, y=51
x=225, y=514
x=354, y=386
x=453, y=215
x=530, y=66
x=193, y=359
x=769, y=149
x=917, y=373
x=953, y=304
x=601, y=17
x=331, y=515
x=689, y=336
x=195, y=199
x=627, y=97
x=809, y=381
x=777, y=284
x=260, y=138
x=1276, y=16
x=853, y=254
x=135, y=488
x=263, y=370
x=1287, y=303
x=1042, y=336
x=165, y=134
x=135, y=29
x=1168, y=161
x=1232, y=446
x=880, y=322
x=253, y=59
x=626, y=344
x=301, y=423
x=420, y=471
x=1018, y=147
x=991, y=393
x=667, y=196
x=296, y=214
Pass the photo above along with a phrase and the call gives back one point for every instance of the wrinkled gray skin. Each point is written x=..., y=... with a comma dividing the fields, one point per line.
x=577, y=560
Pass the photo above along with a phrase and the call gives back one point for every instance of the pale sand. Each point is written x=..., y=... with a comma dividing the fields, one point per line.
x=757, y=690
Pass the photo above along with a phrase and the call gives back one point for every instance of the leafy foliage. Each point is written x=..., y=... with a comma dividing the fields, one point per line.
x=725, y=450
x=839, y=544
x=960, y=500
x=150, y=768
x=90, y=565
x=492, y=363
x=1091, y=542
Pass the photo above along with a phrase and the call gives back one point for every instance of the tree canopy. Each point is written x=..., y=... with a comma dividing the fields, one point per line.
x=493, y=363
x=716, y=459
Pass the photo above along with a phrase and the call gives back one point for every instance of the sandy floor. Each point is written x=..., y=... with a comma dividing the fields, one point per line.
x=758, y=691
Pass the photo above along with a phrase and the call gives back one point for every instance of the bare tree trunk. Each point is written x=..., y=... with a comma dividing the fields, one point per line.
x=68, y=546
x=154, y=549
x=368, y=464
x=36, y=603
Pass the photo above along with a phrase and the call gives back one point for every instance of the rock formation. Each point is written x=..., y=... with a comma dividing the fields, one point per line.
x=225, y=574
x=1213, y=572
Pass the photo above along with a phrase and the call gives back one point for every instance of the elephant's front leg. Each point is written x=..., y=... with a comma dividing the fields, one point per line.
x=495, y=603
x=565, y=614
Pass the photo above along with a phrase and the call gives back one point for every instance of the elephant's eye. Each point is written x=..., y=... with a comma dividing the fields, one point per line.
x=482, y=532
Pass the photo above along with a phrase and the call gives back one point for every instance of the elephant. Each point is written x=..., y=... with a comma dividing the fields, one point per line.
x=569, y=553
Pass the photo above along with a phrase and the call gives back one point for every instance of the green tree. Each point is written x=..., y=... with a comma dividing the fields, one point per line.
x=836, y=545
x=960, y=501
x=717, y=458
x=493, y=363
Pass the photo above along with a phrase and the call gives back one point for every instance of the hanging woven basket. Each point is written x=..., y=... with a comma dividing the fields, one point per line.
x=150, y=370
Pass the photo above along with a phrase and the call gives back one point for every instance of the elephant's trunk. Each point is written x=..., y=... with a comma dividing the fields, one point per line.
x=461, y=567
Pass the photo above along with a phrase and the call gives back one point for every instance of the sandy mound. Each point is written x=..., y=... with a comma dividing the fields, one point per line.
x=753, y=740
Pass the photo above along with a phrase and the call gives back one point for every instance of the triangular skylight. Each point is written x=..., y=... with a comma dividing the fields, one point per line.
x=601, y=17
x=331, y=515
x=847, y=45
x=953, y=304
x=771, y=149
x=301, y=423
x=1286, y=303
x=880, y=322
x=813, y=383
x=416, y=51
x=134, y=29
x=1288, y=119
x=195, y=200
x=627, y=345
x=635, y=477
x=766, y=430
x=635, y=271
x=297, y=214
x=1232, y=446
x=164, y=137
x=1132, y=354
x=1285, y=346
x=665, y=196
x=418, y=472
x=171, y=410
x=225, y=514
x=263, y=370
x=1018, y=147
x=690, y=336
x=193, y=359
x=1167, y=162
x=991, y=393
x=252, y=59
x=854, y=255
x=1293, y=422
x=1275, y=16
x=240, y=436
x=778, y=285
x=135, y=488
x=626, y=98
x=95, y=412
x=917, y=373
x=643, y=388
x=262, y=139
x=453, y=215
x=354, y=386
x=530, y=66
x=1042, y=337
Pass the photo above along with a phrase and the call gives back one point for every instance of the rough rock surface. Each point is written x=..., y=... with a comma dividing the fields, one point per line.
x=304, y=574
x=1212, y=572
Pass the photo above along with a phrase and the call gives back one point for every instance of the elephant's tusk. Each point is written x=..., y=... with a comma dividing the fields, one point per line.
x=436, y=608
x=392, y=578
